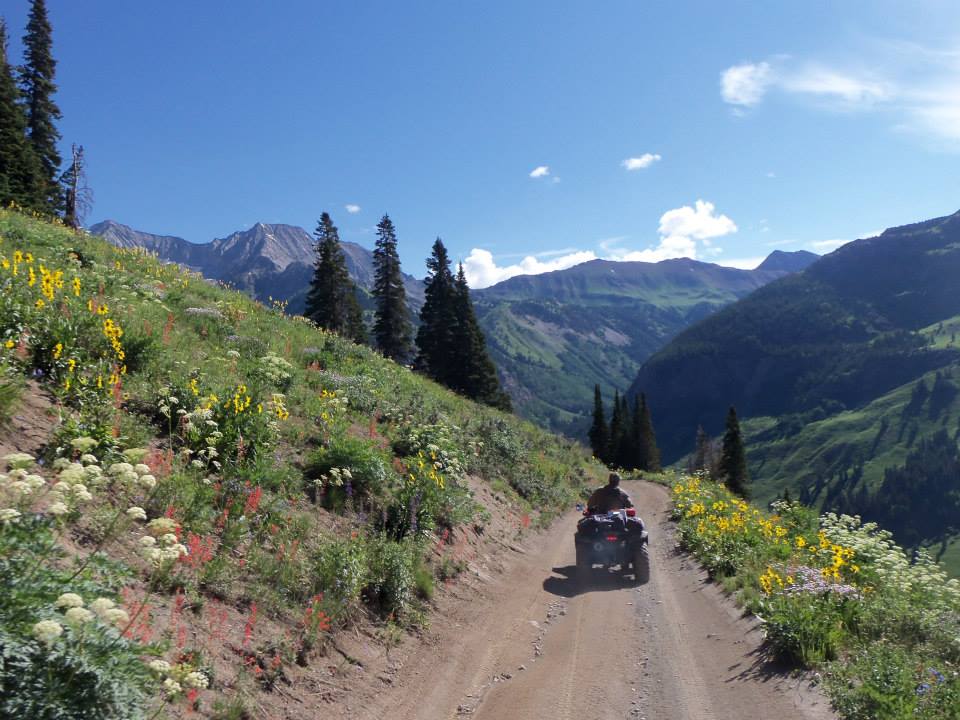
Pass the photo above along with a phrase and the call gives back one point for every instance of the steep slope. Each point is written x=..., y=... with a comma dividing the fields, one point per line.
x=553, y=336
x=835, y=336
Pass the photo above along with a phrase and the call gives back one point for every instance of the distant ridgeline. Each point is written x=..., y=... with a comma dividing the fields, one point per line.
x=552, y=336
x=848, y=378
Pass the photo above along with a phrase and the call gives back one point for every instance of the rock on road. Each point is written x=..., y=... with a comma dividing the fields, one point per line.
x=537, y=646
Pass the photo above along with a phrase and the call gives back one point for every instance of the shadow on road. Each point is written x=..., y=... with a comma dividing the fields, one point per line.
x=601, y=580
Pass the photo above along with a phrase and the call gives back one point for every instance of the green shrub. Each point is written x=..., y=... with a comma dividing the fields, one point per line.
x=369, y=471
x=89, y=670
x=391, y=575
x=340, y=570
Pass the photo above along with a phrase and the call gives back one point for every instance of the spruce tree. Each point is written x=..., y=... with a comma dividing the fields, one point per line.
x=38, y=87
x=332, y=301
x=625, y=448
x=649, y=453
x=391, y=328
x=472, y=372
x=733, y=461
x=438, y=318
x=19, y=169
x=616, y=430
x=599, y=433
x=700, y=460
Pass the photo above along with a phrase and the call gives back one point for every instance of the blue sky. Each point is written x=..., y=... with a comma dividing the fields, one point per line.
x=528, y=135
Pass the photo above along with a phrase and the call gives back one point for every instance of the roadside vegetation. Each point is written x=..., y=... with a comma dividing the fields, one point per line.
x=835, y=595
x=217, y=468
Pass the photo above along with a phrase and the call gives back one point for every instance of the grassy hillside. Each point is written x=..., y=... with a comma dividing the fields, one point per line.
x=554, y=336
x=206, y=459
x=852, y=327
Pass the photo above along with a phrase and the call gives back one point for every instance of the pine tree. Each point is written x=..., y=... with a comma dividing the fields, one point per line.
x=38, y=87
x=391, y=328
x=616, y=430
x=19, y=169
x=437, y=318
x=700, y=460
x=733, y=461
x=625, y=453
x=599, y=433
x=472, y=372
x=332, y=301
x=649, y=453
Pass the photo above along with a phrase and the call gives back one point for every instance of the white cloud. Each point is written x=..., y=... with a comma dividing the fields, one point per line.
x=638, y=163
x=352, y=209
x=482, y=270
x=540, y=171
x=680, y=229
x=746, y=84
x=846, y=89
x=684, y=232
x=748, y=263
x=919, y=87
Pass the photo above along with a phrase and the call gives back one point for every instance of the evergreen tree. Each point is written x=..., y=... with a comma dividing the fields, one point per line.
x=616, y=430
x=625, y=453
x=391, y=328
x=599, y=433
x=701, y=452
x=438, y=319
x=332, y=301
x=648, y=452
x=19, y=169
x=38, y=87
x=733, y=461
x=472, y=372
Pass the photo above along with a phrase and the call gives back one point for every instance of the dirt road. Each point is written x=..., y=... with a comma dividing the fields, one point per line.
x=534, y=645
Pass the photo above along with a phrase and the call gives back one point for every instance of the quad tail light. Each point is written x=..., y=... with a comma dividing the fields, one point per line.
x=631, y=512
x=612, y=538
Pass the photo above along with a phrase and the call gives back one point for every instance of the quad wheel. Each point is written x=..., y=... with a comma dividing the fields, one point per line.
x=641, y=565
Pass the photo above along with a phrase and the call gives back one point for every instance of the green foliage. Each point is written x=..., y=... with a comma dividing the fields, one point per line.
x=20, y=180
x=332, y=302
x=36, y=82
x=89, y=670
x=391, y=328
x=392, y=581
x=342, y=570
x=733, y=457
x=369, y=471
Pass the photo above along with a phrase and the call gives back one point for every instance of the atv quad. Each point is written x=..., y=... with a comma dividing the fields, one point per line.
x=613, y=538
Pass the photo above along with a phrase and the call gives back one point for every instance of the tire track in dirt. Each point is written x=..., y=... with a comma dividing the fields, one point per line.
x=537, y=646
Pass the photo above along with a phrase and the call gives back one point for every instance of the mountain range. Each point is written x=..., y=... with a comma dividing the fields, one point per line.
x=552, y=336
x=846, y=377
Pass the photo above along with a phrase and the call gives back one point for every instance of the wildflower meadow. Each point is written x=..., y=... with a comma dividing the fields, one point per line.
x=220, y=489
x=836, y=595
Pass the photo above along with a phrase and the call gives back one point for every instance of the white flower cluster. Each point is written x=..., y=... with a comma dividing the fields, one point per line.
x=179, y=676
x=922, y=579
x=17, y=485
x=202, y=429
x=76, y=615
x=337, y=477
x=161, y=546
x=275, y=370
x=134, y=476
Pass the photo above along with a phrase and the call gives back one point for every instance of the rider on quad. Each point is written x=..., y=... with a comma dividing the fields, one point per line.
x=609, y=497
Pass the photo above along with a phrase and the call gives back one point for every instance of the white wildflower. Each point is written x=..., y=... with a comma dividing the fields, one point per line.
x=147, y=541
x=148, y=481
x=47, y=631
x=58, y=508
x=159, y=666
x=141, y=469
x=101, y=605
x=19, y=460
x=69, y=600
x=9, y=515
x=171, y=687
x=136, y=513
x=116, y=616
x=79, y=615
x=195, y=679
